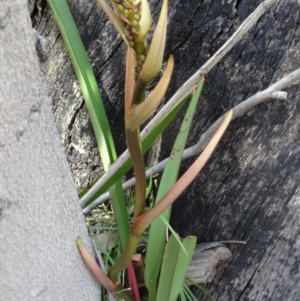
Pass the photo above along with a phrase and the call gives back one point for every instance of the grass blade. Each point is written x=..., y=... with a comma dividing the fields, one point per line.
x=173, y=232
x=187, y=293
x=199, y=287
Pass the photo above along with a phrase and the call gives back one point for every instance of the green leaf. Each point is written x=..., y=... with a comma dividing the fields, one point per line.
x=90, y=91
x=157, y=236
x=174, y=267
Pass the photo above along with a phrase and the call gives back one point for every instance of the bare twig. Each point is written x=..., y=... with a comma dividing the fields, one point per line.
x=196, y=149
x=183, y=91
x=240, y=109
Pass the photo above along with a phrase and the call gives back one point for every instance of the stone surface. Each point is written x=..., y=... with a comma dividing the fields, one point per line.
x=40, y=216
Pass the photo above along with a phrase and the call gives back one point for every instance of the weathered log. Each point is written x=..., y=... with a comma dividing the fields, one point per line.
x=249, y=190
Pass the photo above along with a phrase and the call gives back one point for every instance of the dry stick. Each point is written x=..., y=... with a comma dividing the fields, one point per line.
x=185, y=90
x=240, y=109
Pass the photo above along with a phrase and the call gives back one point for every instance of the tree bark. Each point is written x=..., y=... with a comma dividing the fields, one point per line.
x=250, y=188
x=40, y=216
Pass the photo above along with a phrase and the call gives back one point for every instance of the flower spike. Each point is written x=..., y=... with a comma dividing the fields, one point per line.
x=115, y=20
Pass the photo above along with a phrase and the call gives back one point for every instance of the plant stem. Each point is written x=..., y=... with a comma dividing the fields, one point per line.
x=125, y=258
x=135, y=150
x=143, y=221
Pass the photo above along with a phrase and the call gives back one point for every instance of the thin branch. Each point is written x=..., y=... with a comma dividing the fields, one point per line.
x=240, y=109
x=184, y=90
x=187, y=87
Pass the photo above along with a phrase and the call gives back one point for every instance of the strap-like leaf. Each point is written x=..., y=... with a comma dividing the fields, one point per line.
x=129, y=81
x=144, y=220
x=111, y=286
x=174, y=268
x=157, y=235
x=141, y=112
